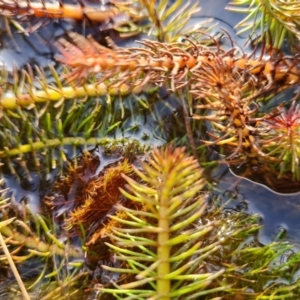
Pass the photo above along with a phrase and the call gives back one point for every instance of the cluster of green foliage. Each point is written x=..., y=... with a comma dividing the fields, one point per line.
x=274, y=20
x=168, y=239
x=173, y=244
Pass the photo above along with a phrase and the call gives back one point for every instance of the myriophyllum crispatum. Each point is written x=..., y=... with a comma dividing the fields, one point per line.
x=279, y=138
x=273, y=20
x=160, y=244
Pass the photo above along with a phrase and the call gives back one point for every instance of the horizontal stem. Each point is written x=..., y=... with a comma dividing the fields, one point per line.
x=13, y=101
x=51, y=144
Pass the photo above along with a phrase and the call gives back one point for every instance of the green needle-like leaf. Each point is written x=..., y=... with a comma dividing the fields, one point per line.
x=276, y=20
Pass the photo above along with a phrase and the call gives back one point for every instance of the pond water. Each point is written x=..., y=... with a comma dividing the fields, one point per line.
x=278, y=211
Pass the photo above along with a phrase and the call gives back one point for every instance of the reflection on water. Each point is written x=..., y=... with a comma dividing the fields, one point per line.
x=277, y=210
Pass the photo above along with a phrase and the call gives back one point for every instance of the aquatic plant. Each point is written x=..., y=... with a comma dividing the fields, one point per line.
x=33, y=240
x=152, y=240
x=88, y=190
x=117, y=15
x=175, y=65
x=162, y=229
x=230, y=86
x=34, y=118
x=34, y=104
x=279, y=138
x=274, y=21
x=101, y=194
x=227, y=86
x=201, y=238
x=169, y=242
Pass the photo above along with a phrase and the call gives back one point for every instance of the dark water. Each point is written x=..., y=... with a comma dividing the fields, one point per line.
x=277, y=210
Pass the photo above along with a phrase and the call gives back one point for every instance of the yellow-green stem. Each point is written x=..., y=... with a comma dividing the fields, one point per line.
x=12, y=101
x=163, y=251
x=40, y=247
x=50, y=144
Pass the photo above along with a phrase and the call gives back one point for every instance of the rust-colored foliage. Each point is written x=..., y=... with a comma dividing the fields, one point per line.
x=164, y=62
x=69, y=190
x=89, y=190
x=102, y=193
x=61, y=10
x=224, y=86
x=85, y=196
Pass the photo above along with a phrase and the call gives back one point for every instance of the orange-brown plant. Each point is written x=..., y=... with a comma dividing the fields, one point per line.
x=159, y=63
x=101, y=194
x=225, y=87
x=69, y=191
x=77, y=11
x=85, y=196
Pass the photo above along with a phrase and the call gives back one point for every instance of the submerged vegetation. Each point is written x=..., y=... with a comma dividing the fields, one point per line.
x=122, y=219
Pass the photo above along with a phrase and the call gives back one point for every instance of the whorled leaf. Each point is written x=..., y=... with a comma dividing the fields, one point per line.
x=279, y=138
x=171, y=200
x=273, y=20
x=170, y=20
x=42, y=116
x=171, y=247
